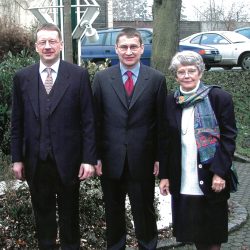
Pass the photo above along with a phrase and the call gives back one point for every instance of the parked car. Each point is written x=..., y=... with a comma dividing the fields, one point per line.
x=244, y=31
x=234, y=47
x=105, y=48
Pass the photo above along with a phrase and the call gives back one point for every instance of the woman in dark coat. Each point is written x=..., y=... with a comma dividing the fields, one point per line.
x=201, y=132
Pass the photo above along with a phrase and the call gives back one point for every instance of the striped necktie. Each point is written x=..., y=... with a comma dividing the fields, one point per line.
x=48, y=83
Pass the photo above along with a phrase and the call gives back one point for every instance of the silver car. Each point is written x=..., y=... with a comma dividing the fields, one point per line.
x=234, y=48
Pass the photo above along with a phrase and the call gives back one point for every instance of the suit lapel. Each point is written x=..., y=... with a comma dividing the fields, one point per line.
x=61, y=84
x=117, y=84
x=32, y=88
x=178, y=115
x=142, y=82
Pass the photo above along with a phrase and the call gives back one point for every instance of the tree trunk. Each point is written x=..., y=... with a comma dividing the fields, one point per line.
x=166, y=14
x=68, y=50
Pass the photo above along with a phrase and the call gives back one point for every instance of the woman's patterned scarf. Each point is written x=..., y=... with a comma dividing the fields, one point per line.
x=207, y=132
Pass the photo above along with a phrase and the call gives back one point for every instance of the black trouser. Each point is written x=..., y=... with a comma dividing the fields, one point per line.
x=141, y=196
x=49, y=196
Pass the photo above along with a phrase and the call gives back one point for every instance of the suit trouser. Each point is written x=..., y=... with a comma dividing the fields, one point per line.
x=47, y=193
x=141, y=196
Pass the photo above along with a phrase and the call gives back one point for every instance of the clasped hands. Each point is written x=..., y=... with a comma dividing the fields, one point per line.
x=218, y=184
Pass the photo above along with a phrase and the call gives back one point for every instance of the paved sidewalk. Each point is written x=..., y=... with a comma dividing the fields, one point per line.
x=240, y=238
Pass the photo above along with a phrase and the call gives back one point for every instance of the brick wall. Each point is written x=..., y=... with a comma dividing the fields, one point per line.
x=101, y=21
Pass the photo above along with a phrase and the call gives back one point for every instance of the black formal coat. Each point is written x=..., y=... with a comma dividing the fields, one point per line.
x=71, y=120
x=222, y=105
x=134, y=130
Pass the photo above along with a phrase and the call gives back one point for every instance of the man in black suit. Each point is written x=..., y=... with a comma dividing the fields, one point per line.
x=53, y=138
x=130, y=135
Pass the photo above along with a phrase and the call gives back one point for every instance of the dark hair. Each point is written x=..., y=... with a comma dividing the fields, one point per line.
x=49, y=26
x=130, y=33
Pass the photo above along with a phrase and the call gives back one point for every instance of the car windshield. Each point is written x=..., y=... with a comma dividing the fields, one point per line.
x=235, y=37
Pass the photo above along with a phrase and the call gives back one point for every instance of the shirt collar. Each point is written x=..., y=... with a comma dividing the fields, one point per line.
x=54, y=67
x=135, y=70
x=191, y=91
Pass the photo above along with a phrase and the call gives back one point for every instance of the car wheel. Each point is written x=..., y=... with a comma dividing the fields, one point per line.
x=245, y=61
x=207, y=67
x=227, y=67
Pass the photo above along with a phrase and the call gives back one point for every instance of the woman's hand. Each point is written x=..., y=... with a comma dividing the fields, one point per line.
x=218, y=184
x=164, y=187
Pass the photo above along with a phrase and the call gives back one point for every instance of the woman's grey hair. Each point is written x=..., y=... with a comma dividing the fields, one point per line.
x=186, y=58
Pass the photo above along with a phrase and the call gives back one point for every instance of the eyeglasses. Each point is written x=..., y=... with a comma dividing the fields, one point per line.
x=133, y=48
x=43, y=43
x=190, y=72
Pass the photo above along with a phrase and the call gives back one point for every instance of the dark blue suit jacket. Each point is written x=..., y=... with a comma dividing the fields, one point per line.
x=222, y=105
x=71, y=120
x=134, y=131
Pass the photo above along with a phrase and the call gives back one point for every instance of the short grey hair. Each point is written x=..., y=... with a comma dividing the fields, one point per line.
x=186, y=58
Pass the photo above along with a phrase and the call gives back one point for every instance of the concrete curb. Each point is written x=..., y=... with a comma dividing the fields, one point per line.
x=238, y=217
x=241, y=158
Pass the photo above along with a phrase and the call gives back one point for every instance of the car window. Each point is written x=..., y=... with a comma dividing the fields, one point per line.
x=85, y=41
x=220, y=39
x=208, y=39
x=108, y=39
x=113, y=37
x=213, y=39
x=196, y=40
x=245, y=32
x=146, y=36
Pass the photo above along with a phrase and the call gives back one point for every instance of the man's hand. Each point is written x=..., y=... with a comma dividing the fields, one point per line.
x=98, y=168
x=86, y=171
x=18, y=170
x=218, y=184
x=156, y=168
x=164, y=187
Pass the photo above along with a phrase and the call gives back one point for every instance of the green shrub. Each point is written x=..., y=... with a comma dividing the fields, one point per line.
x=8, y=67
x=5, y=170
x=17, y=228
x=16, y=219
x=93, y=68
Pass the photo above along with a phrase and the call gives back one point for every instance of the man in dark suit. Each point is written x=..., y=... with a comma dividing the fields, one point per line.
x=130, y=135
x=53, y=138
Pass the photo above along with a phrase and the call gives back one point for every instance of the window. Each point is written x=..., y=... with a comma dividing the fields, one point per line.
x=245, y=32
x=213, y=39
x=113, y=37
x=196, y=40
x=146, y=36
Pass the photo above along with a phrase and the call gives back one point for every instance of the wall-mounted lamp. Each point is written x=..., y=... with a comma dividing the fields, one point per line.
x=91, y=32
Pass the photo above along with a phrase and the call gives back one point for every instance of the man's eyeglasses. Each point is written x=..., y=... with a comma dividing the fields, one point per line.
x=44, y=42
x=190, y=72
x=124, y=48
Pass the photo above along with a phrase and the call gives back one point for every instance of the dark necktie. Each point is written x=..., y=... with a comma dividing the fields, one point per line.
x=129, y=84
x=48, y=83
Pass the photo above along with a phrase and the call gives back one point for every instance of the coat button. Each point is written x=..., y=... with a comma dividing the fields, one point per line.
x=199, y=166
x=201, y=182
